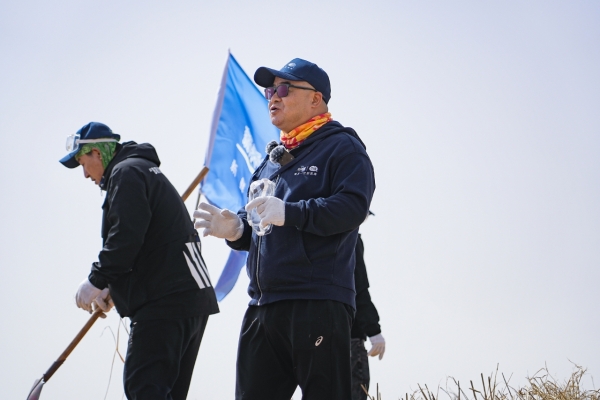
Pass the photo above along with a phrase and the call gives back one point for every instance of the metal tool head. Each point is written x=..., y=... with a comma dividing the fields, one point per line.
x=34, y=394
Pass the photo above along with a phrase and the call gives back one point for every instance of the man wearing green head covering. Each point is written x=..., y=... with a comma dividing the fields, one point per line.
x=107, y=151
x=150, y=264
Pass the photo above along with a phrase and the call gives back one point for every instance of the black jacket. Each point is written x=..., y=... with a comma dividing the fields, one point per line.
x=366, y=319
x=151, y=252
x=327, y=190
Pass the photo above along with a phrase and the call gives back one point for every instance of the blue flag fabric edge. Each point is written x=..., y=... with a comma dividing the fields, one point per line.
x=238, y=97
x=238, y=140
x=230, y=274
x=216, y=115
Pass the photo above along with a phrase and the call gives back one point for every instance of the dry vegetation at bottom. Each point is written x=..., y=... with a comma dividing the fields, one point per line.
x=541, y=386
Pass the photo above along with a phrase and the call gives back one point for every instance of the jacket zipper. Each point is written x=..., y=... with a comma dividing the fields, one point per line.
x=257, y=264
x=258, y=255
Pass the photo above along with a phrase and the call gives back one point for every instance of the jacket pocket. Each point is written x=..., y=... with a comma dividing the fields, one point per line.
x=282, y=259
x=323, y=253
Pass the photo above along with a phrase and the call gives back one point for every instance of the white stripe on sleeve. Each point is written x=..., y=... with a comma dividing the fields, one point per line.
x=194, y=271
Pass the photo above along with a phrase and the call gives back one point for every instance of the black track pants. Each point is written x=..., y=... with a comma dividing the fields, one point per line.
x=161, y=357
x=360, y=369
x=294, y=343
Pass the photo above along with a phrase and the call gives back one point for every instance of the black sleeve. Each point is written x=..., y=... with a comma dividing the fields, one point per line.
x=367, y=319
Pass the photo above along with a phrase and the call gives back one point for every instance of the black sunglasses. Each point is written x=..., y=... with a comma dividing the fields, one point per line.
x=283, y=90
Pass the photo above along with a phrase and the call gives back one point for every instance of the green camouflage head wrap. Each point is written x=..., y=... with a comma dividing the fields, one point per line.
x=106, y=149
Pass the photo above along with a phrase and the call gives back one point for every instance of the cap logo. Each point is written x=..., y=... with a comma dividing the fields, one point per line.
x=291, y=65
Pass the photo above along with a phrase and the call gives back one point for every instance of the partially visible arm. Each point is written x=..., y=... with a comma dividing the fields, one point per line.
x=367, y=317
x=352, y=187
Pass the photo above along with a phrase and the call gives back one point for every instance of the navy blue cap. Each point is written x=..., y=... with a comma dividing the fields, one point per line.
x=92, y=130
x=296, y=70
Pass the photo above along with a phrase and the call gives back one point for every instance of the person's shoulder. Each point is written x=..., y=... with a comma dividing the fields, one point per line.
x=344, y=138
x=133, y=154
x=132, y=163
x=353, y=141
x=133, y=169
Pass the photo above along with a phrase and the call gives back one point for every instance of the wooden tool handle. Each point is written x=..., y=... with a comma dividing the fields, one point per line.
x=72, y=345
x=195, y=183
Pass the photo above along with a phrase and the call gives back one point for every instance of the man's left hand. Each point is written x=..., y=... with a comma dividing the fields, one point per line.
x=377, y=346
x=270, y=209
x=86, y=293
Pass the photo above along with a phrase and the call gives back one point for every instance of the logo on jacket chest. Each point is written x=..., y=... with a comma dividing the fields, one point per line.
x=155, y=170
x=304, y=170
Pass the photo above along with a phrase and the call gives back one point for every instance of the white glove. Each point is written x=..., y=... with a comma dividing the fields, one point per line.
x=377, y=346
x=270, y=209
x=218, y=223
x=103, y=301
x=86, y=293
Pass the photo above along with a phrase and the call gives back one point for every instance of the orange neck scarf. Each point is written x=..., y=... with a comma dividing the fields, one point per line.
x=296, y=136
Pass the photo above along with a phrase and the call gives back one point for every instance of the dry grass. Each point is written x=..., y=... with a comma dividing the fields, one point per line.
x=542, y=386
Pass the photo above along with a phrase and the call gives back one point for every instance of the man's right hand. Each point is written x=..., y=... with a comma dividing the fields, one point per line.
x=103, y=301
x=377, y=346
x=217, y=222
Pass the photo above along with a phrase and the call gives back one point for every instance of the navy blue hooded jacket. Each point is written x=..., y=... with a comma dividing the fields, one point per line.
x=327, y=190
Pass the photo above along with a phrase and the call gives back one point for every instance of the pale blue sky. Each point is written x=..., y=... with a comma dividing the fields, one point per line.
x=482, y=120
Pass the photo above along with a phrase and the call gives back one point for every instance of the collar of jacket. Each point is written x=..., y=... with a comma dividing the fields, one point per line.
x=116, y=159
x=128, y=150
x=331, y=128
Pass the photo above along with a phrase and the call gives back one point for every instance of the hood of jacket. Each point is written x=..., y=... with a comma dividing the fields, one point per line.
x=129, y=150
x=332, y=128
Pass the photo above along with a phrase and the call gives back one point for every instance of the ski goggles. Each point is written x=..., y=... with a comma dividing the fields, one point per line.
x=73, y=142
x=283, y=90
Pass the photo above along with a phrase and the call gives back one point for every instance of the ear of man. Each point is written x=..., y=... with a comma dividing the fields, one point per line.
x=92, y=153
x=318, y=104
x=95, y=153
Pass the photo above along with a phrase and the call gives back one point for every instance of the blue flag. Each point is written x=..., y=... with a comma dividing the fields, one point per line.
x=240, y=131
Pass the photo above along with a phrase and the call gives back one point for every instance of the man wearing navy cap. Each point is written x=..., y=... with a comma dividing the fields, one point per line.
x=296, y=331
x=150, y=264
